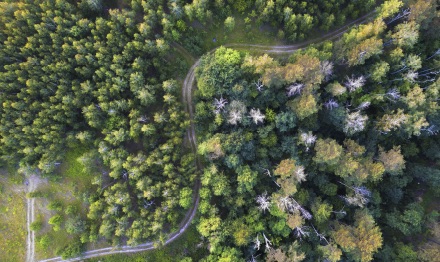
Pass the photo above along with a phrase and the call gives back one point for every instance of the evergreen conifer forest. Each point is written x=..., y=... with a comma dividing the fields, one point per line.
x=266, y=130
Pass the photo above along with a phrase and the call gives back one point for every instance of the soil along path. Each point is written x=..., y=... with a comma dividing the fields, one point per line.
x=187, y=96
x=31, y=184
x=30, y=240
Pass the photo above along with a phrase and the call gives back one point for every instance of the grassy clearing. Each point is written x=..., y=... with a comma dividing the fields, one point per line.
x=64, y=195
x=184, y=247
x=246, y=33
x=12, y=217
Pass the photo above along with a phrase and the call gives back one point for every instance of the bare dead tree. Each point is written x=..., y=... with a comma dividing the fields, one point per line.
x=430, y=130
x=354, y=83
x=411, y=76
x=301, y=232
x=326, y=68
x=308, y=139
x=393, y=94
x=341, y=211
x=294, y=89
x=253, y=258
x=143, y=119
x=299, y=174
x=287, y=203
x=437, y=52
x=363, y=106
x=234, y=117
x=263, y=202
x=355, y=122
x=257, y=243
x=331, y=104
x=267, y=243
x=259, y=85
x=219, y=104
x=403, y=14
x=361, y=195
x=256, y=116
x=266, y=172
x=321, y=236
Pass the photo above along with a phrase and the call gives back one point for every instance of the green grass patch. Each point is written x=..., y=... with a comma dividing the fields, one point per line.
x=71, y=167
x=12, y=219
x=183, y=247
x=61, y=202
x=244, y=32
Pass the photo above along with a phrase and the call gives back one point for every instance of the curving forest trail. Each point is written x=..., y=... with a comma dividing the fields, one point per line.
x=187, y=96
x=30, y=217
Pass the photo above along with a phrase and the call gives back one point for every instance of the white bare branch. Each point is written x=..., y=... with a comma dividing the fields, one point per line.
x=289, y=204
x=267, y=242
x=259, y=85
x=234, y=118
x=295, y=89
x=330, y=104
x=263, y=201
x=143, y=119
x=393, y=94
x=437, y=52
x=411, y=76
x=299, y=174
x=321, y=236
x=355, y=83
x=301, y=232
x=431, y=130
x=257, y=243
x=284, y=203
x=257, y=116
x=267, y=172
x=219, y=104
x=355, y=122
x=326, y=69
x=308, y=139
x=363, y=106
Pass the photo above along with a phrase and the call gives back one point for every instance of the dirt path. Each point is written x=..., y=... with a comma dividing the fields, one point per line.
x=32, y=183
x=187, y=96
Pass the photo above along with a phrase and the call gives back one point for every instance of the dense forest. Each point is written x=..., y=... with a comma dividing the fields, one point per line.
x=325, y=154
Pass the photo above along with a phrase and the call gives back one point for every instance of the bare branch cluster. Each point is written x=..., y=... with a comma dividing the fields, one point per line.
x=355, y=122
x=299, y=174
x=259, y=85
x=361, y=195
x=331, y=104
x=267, y=243
x=263, y=202
x=289, y=204
x=219, y=104
x=301, y=232
x=363, y=106
x=326, y=69
x=234, y=117
x=354, y=83
x=308, y=139
x=294, y=89
x=411, y=76
x=257, y=243
x=256, y=116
